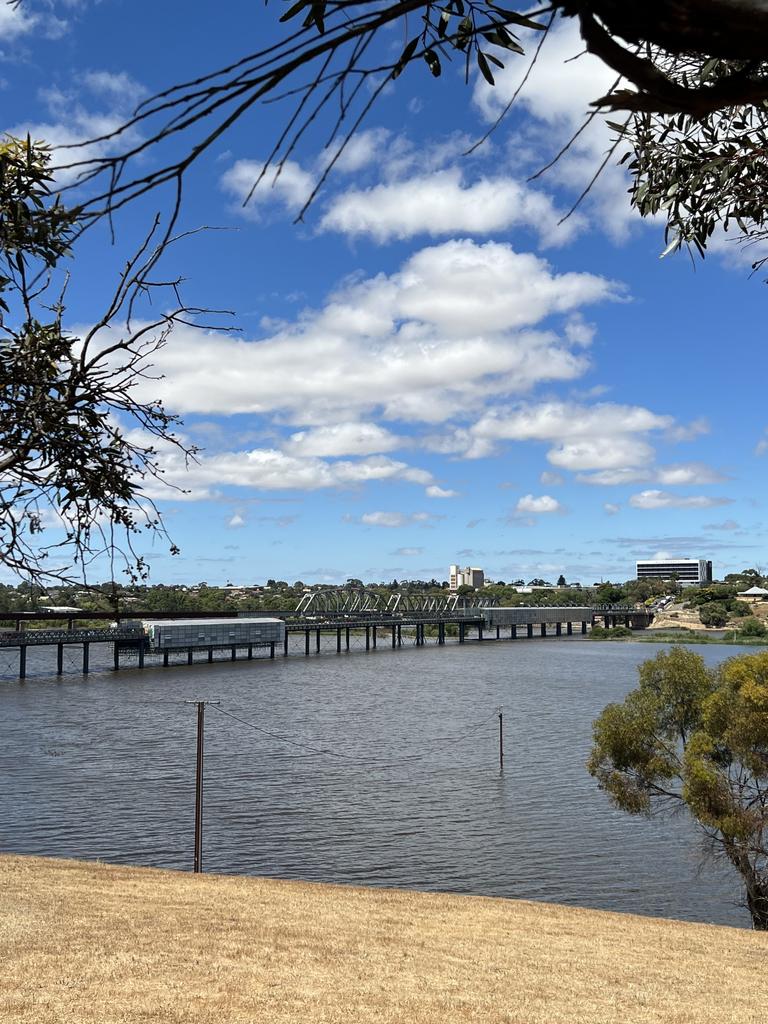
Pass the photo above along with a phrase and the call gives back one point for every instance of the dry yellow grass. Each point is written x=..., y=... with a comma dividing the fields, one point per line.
x=82, y=943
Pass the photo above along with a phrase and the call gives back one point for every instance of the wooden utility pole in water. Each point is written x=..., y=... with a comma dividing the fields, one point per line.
x=198, y=861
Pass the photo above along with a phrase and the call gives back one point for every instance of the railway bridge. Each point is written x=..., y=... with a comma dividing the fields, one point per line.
x=319, y=626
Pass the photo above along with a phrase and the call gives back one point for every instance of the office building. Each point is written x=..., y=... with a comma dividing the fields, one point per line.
x=689, y=572
x=469, y=577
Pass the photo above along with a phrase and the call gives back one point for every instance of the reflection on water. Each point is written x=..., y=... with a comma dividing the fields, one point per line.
x=382, y=784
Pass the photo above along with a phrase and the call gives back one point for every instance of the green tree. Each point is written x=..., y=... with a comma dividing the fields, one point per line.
x=696, y=738
x=713, y=614
x=561, y=580
x=752, y=627
x=68, y=459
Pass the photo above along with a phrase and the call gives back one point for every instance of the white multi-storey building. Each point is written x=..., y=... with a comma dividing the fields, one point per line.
x=689, y=572
x=471, y=577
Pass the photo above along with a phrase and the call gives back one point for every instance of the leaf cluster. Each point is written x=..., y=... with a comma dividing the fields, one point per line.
x=696, y=738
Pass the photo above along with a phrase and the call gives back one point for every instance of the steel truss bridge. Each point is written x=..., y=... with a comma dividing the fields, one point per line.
x=365, y=601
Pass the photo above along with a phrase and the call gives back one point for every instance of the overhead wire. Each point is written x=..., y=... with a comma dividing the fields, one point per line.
x=381, y=762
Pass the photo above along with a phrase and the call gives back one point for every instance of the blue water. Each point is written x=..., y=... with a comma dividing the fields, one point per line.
x=374, y=769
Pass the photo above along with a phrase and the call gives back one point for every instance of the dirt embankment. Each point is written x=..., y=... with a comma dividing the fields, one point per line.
x=674, y=616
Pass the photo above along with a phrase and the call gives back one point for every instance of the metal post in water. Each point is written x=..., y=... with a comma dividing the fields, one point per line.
x=501, y=740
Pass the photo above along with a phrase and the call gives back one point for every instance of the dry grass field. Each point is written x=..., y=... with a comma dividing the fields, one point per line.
x=82, y=943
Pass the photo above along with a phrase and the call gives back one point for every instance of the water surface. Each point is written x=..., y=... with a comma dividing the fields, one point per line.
x=390, y=777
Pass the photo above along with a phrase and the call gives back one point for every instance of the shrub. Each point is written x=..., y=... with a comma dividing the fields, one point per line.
x=752, y=627
x=713, y=614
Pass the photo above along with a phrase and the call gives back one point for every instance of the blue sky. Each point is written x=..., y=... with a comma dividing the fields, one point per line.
x=429, y=368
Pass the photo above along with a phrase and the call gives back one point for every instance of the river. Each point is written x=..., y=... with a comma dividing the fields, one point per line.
x=373, y=769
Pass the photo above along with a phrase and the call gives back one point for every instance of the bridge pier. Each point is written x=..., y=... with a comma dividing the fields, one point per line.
x=22, y=661
x=394, y=637
x=190, y=656
x=306, y=643
x=317, y=641
x=367, y=638
x=272, y=650
x=513, y=632
x=210, y=655
x=373, y=636
x=461, y=632
x=285, y=644
x=543, y=629
x=59, y=659
x=569, y=628
x=338, y=639
x=347, y=638
x=480, y=635
x=530, y=630
x=86, y=657
x=399, y=634
x=234, y=654
x=141, y=655
x=558, y=629
x=165, y=659
x=250, y=652
x=583, y=627
x=441, y=634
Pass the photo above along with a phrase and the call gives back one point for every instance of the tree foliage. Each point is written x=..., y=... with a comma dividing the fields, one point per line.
x=696, y=738
x=75, y=442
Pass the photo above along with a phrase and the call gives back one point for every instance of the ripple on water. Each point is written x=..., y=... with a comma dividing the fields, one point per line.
x=103, y=767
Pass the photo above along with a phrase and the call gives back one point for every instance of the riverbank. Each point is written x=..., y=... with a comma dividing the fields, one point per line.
x=87, y=943
x=680, y=635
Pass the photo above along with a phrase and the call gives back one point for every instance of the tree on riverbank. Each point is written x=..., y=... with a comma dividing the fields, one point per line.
x=696, y=738
x=76, y=445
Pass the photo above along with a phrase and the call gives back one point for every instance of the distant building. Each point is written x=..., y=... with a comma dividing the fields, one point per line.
x=469, y=577
x=689, y=572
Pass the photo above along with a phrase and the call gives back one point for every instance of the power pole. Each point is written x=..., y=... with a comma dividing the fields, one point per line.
x=198, y=861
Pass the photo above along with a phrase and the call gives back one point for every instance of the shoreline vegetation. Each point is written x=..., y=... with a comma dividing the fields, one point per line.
x=92, y=942
x=680, y=634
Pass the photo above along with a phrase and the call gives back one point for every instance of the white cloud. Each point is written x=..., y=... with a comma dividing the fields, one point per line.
x=15, y=22
x=445, y=332
x=551, y=479
x=529, y=505
x=689, y=431
x=343, y=439
x=679, y=474
x=236, y=521
x=605, y=435
x=71, y=122
x=663, y=499
x=611, y=508
x=272, y=470
x=601, y=453
x=558, y=96
x=290, y=188
x=690, y=473
x=393, y=520
x=408, y=552
x=433, y=491
x=363, y=148
x=120, y=87
x=443, y=204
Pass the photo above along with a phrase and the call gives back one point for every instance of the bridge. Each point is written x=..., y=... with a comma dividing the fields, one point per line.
x=332, y=619
x=365, y=600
